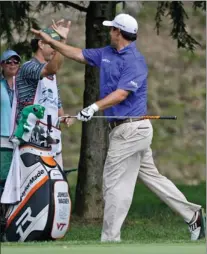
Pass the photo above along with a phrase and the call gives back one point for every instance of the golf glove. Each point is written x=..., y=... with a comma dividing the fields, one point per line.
x=87, y=113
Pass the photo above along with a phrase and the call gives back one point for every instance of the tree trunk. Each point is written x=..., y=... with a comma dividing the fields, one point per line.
x=88, y=201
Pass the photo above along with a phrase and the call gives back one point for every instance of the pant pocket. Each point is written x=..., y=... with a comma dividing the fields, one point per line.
x=144, y=131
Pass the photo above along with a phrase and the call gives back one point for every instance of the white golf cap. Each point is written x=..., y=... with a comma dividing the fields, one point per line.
x=124, y=22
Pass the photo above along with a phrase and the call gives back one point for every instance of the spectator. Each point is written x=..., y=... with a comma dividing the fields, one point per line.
x=10, y=62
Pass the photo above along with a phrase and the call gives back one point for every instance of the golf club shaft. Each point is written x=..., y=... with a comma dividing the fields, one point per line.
x=127, y=117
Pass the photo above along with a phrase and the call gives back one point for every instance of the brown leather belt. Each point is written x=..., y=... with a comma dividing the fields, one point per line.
x=118, y=122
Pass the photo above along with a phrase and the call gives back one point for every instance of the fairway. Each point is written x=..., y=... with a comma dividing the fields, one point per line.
x=185, y=248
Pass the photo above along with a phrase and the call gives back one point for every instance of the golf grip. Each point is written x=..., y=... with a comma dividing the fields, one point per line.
x=158, y=117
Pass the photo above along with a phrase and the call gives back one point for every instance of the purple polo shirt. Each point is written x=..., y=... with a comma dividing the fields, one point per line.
x=125, y=69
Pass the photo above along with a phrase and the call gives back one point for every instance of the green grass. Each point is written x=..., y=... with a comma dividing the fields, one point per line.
x=109, y=249
x=149, y=219
x=151, y=227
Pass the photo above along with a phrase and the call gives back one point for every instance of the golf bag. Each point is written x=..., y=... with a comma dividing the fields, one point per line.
x=45, y=207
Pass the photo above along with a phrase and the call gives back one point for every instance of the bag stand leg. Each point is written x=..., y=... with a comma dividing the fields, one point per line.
x=3, y=210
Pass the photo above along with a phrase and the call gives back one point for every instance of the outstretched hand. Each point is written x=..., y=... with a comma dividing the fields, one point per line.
x=61, y=28
x=45, y=37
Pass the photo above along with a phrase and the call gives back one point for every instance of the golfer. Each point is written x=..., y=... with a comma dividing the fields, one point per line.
x=123, y=92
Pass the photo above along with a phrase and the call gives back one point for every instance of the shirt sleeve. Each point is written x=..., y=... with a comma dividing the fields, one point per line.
x=132, y=76
x=93, y=56
x=31, y=70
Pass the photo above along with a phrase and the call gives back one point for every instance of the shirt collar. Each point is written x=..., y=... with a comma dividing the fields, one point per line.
x=132, y=45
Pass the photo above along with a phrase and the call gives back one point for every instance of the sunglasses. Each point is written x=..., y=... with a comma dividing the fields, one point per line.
x=10, y=61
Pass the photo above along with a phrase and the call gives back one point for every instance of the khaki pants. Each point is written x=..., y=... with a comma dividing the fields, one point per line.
x=129, y=156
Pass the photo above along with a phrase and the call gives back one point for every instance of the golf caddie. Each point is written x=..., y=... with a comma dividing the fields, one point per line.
x=37, y=84
x=123, y=92
x=36, y=89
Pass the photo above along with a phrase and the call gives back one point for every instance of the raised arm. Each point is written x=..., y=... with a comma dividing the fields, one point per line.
x=66, y=50
x=53, y=65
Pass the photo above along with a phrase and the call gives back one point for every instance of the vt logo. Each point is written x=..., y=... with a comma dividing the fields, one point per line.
x=60, y=226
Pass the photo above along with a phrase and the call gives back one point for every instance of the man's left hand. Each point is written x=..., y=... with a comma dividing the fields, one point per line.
x=61, y=28
x=87, y=113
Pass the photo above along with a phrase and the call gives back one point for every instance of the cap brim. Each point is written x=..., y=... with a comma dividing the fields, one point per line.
x=17, y=56
x=12, y=55
x=108, y=23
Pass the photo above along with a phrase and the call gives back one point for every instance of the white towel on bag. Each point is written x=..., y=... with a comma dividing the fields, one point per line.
x=11, y=193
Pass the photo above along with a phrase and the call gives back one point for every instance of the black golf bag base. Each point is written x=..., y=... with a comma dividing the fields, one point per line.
x=45, y=207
